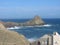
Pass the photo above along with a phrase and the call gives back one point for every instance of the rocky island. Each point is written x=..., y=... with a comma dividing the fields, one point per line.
x=33, y=22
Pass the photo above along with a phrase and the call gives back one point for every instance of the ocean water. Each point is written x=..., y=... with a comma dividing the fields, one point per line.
x=33, y=33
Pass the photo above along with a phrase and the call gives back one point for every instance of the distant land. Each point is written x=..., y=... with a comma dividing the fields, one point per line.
x=35, y=21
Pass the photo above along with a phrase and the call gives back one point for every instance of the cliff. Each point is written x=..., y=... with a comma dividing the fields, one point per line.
x=8, y=37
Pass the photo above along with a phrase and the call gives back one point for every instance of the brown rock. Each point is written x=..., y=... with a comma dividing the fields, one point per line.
x=35, y=21
x=11, y=38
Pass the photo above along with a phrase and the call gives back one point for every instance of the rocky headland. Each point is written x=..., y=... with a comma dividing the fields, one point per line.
x=33, y=22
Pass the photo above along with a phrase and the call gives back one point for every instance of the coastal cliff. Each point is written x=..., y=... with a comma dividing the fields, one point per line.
x=8, y=37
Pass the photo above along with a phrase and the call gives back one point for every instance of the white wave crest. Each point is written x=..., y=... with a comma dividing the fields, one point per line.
x=32, y=39
x=47, y=25
x=15, y=27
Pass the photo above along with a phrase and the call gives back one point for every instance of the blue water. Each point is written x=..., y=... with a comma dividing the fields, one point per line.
x=36, y=32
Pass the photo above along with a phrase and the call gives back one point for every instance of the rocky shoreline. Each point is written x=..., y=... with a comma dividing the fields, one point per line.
x=35, y=21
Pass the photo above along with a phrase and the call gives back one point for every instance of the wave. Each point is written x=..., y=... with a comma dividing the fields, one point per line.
x=47, y=25
x=32, y=39
x=15, y=27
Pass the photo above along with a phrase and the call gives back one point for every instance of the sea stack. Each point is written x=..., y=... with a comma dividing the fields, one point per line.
x=8, y=37
x=35, y=21
x=38, y=21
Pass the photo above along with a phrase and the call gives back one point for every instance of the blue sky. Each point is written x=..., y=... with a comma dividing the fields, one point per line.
x=29, y=8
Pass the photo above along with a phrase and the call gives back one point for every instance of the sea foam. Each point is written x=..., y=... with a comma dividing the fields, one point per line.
x=47, y=25
x=19, y=27
x=15, y=27
x=32, y=39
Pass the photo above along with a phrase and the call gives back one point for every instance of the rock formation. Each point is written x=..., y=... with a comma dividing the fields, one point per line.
x=35, y=21
x=11, y=24
x=44, y=40
x=8, y=37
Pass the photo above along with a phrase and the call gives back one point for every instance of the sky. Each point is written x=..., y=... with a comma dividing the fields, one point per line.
x=18, y=9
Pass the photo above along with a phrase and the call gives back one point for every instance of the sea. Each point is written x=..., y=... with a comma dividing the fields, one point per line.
x=32, y=33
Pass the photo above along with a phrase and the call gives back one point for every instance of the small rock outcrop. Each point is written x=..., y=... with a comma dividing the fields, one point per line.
x=8, y=37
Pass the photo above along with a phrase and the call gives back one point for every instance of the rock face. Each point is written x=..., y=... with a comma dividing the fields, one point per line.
x=35, y=21
x=11, y=38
